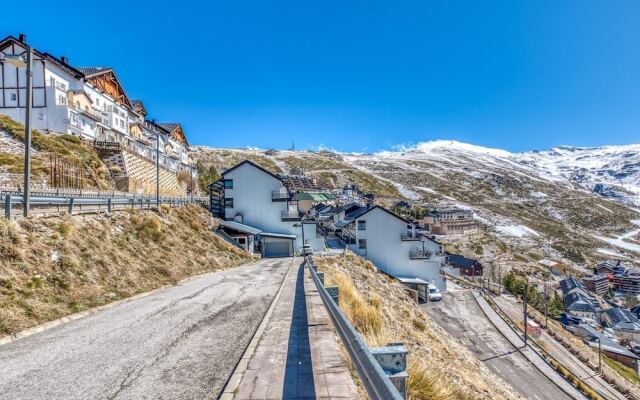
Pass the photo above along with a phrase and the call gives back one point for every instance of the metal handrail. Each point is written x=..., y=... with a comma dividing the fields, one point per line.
x=373, y=378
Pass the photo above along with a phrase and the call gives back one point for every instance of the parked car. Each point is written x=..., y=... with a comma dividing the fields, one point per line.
x=306, y=250
x=434, y=294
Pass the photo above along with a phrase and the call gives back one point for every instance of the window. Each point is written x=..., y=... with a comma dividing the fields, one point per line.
x=97, y=102
x=14, y=97
x=362, y=225
x=228, y=183
x=122, y=123
x=228, y=203
x=362, y=244
x=62, y=100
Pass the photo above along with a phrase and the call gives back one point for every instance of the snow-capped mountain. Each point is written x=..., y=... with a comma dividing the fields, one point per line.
x=532, y=206
x=612, y=171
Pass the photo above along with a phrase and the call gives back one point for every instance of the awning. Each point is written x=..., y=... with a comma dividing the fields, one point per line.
x=343, y=223
x=241, y=227
x=412, y=280
x=278, y=235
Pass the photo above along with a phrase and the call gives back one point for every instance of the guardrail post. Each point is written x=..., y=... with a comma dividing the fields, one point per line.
x=393, y=360
x=334, y=292
x=7, y=207
x=70, y=205
x=109, y=205
x=321, y=277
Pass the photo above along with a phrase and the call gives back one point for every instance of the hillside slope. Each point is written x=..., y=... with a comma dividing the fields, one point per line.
x=526, y=215
x=380, y=308
x=65, y=147
x=52, y=267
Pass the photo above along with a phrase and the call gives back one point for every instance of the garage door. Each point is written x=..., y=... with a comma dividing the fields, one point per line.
x=277, y=249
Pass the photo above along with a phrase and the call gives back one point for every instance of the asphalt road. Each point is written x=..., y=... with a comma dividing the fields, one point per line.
x=459, y=314
x=178, y=343
x=560, y=353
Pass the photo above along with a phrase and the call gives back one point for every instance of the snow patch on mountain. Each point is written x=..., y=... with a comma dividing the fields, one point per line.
x=516, y=230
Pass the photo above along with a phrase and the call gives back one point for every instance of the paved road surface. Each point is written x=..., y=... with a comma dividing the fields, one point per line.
x=459, y=314
x=178, y=343
x=560, y=353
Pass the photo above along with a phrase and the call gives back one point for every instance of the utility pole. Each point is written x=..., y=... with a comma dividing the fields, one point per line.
x=27, y=135
x=526, y=295
x=546, y=300
x=600, y=344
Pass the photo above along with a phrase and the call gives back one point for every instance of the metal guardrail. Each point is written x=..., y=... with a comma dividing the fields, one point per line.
x=10, y=199
x=373, y=378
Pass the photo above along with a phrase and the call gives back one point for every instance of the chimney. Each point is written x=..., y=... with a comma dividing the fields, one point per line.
x=22, y=37
x=64, y=60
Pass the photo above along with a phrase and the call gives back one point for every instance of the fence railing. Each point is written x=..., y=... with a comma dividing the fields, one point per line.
x=71, y=203
x=373, y=378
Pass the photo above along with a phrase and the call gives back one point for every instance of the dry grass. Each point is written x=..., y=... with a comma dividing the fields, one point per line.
x=53, y=267
x=67, y=147
x=380, y=308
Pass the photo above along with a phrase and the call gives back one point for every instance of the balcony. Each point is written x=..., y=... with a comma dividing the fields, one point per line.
x=280, y=195
x=291, y=215
x=419, y=254
x=409, y=235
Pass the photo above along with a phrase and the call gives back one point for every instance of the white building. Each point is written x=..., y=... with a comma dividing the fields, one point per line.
x=89, y=102
x=252, y=196
x=394, y=245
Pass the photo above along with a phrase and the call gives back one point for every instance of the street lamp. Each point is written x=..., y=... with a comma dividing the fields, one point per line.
x=22, y=62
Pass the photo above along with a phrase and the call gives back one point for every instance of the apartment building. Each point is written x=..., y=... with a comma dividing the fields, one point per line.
x=393, y=243
x=450, y=220
x=88, y=102
x=255, y=198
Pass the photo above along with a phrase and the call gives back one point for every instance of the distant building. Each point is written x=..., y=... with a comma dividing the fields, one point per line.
x=598, y=284
x=607, y=268
x=627, y=281
x=624, y=323
x=581, y=305
x=450, y=220
x=467, y=266
x=577, y=300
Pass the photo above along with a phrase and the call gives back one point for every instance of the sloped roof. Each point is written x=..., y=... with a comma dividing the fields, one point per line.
x=462, y=261
x=240, y=227
x=577, y=301
x=568, y=284
x=251, y=163
x=53, y=59
x=90, y=71
x=300, y=182
x=168, y=126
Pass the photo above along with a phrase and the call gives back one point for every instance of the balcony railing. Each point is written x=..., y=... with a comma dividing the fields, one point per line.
x=419, y=254
x=410, y=236
x=291, y=215
x=279, y=195
x=107, y=145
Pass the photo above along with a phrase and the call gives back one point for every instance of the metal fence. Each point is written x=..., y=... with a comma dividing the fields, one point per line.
x=89, y=201
x=373, y=378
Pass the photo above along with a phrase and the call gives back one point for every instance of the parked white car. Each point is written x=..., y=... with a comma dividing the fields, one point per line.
x=306, y=250
x=434, y=294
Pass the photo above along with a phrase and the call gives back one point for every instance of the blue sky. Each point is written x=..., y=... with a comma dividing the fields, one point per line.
x=363, y=75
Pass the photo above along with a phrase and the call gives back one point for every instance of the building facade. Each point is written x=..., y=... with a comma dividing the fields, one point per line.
x=88, y=102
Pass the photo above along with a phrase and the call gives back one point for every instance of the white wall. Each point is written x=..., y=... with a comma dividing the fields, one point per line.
x=251, y=195
x=388, y=252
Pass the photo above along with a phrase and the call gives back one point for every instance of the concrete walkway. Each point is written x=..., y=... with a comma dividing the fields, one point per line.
x=297, y=356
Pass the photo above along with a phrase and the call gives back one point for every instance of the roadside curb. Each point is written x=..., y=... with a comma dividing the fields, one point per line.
x=519, y=349
x=233, y=382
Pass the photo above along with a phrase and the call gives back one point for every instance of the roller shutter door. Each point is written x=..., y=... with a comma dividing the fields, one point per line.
x=277, y=249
